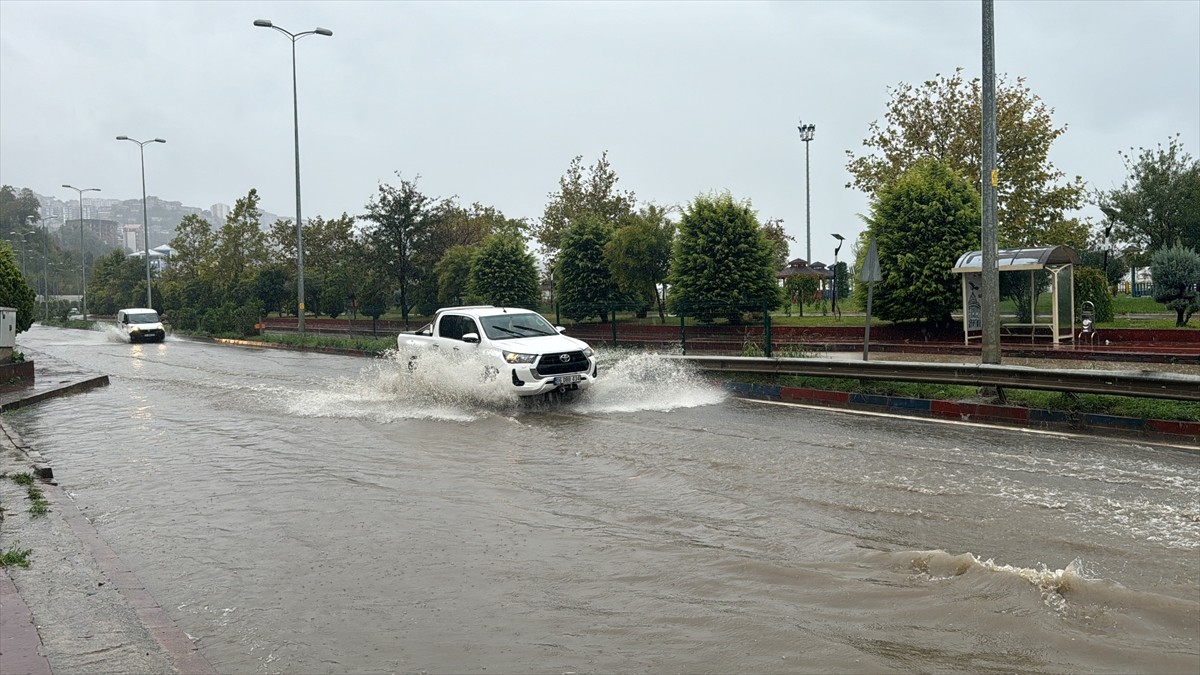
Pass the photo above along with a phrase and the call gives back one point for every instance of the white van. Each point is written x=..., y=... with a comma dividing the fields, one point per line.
x=141, y=324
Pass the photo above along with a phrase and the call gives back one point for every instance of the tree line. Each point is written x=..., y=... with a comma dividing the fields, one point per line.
x=598, y=249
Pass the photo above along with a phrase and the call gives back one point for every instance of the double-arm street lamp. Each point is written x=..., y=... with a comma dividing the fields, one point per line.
x=82, y=255
x=806, y=135
x=145, y=221
x=265, y=23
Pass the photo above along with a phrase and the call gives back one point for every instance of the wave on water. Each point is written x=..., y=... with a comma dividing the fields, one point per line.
x=451, y=386
x=1070, y=591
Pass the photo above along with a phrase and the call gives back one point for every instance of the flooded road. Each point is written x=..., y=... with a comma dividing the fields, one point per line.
x=311, y=513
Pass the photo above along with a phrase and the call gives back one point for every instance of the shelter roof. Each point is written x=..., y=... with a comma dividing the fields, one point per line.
x=800, y=267
x=1019, y=259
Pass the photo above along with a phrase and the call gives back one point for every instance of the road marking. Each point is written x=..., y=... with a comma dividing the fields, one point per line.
x=984, y=425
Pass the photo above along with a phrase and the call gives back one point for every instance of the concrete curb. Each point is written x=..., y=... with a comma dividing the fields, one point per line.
x=24, y=399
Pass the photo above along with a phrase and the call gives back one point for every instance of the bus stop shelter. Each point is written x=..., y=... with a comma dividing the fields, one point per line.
x=1058, y=261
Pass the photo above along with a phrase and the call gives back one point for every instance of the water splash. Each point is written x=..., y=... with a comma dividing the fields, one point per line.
x=453, y=386
x=637, y=380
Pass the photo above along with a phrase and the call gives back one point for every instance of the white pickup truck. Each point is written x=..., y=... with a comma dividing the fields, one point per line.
x=520, y=349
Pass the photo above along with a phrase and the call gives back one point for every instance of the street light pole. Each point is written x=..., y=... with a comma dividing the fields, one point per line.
x=840, y=240
x=806, y=135
x=82, y=255
x=265, y=23
x=145, y=220
x=45, y=268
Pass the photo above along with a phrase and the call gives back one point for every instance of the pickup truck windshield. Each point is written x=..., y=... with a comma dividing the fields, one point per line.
x=524, y=324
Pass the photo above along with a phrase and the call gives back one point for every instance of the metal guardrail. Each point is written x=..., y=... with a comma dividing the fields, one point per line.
x=1116, y=382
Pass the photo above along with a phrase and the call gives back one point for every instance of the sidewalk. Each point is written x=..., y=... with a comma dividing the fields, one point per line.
x=77, y=608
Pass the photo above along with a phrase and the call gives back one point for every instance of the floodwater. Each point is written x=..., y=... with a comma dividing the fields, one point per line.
x=303, y=513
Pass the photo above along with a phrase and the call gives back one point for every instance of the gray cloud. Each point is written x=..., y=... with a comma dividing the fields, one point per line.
x=489, y=101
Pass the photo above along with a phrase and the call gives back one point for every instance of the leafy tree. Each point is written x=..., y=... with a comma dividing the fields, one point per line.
x=453, y=225
x=240, y=247
x=16, y=209
x=722, y=264
x=843, y=281
x=504, y=274
x=453, y=273
x=639, y=254
x=373, y=298
x=578, y=195
x=1159, y=203
x=402, y=217
x=1090, y=285
x=800, y=288
x=115, y=283
x=194, y=244
x=585, y=285
x=922, y=223
x=335, y=293
x=942, y=119
x=271, y=288
x=1176, y=273
x=778, y=238
x=14, y=292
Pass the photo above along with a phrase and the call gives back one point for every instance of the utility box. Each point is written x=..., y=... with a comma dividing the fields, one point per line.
x=8, y=327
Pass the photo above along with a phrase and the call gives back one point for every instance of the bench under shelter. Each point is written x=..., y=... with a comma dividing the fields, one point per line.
x=1057, y=262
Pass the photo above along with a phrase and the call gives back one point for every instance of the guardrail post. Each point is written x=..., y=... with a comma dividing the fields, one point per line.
x=682, y=330
x=613, y=318
x=766, y=329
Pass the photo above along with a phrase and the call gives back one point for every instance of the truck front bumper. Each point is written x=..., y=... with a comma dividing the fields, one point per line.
x=523, y=382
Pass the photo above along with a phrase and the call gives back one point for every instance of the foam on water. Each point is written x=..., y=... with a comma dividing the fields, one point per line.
x=452, y=386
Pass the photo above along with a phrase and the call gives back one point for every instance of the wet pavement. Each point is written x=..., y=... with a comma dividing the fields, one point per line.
x=77, y=607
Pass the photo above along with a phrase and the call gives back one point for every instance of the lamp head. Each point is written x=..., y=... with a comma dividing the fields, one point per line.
x=839, y=237
x=160, y=140
x=324, y=31
x=122, y=138
x=264, y=23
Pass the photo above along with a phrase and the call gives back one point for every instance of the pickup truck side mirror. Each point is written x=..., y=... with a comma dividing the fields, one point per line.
x=473, y=338
x=561, y=329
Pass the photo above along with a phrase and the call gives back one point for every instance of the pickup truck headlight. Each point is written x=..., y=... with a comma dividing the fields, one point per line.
x=514, y=357
x=588, y=352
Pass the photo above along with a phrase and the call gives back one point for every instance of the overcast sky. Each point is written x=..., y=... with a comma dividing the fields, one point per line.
x=489, y=101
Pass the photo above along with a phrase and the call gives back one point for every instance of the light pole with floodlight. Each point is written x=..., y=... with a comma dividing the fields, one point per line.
x=806, y=135
x=82, y=254
x=266, y=23
x=145, y=220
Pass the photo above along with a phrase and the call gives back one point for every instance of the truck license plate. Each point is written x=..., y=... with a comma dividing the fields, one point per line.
x=566, y=379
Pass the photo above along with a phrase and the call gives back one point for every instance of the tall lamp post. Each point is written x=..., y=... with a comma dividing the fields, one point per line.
x=45, y=268
x=840, y=240
x=145, y=220
x=806, y=135
x=265, y=23
x=82, y=255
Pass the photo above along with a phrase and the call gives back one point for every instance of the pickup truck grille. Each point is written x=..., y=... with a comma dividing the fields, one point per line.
x=561, y=362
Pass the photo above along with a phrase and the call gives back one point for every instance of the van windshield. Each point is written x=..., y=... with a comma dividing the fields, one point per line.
x=143, y=317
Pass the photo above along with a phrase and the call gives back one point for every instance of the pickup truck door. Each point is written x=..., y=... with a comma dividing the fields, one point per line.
x=453, y=327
